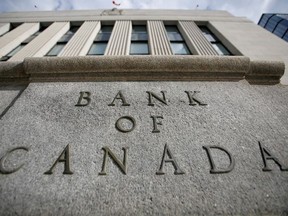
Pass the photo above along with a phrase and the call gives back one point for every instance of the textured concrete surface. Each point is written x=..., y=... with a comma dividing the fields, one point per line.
x=7, y=95
x=142, y=68
x=237, y=116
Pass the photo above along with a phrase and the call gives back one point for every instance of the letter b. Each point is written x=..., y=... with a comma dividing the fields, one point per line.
x=84, y=96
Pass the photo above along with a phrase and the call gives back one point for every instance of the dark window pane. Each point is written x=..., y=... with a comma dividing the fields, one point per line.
x=172, y=29
x=207, y=34
x=102, y=37
x=139, y=49
x=97, y=49
x=174, y=36
x=73, y=30
x=139, y=37
x=55, y=50
x=272, y=23
x=139, y=33
x=285, y=37
x=280, y=30
x=210, y=37
x=217, y=45
x=65, y=38
x=221, y=50
x=284, y=16
x=5, y=58
x=106, y=29
x=139, y=29
x=14, y=51
x=173, y=33
x=180, y=48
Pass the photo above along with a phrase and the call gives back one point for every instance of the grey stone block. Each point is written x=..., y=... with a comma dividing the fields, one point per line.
x=237, y=116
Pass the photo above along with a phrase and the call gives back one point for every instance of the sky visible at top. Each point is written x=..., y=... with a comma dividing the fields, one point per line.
x=252, y=9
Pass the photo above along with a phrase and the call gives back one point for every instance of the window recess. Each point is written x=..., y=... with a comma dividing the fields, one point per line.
x=215, y=42
x=177, y=42
x=139, y=40
x=101, y=40
x=56, y=49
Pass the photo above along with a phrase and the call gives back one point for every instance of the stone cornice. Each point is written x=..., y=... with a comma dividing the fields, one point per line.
x=142, y=68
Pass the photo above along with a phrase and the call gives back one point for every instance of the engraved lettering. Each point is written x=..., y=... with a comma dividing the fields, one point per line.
x=121, y=97
x=170, y=159
x=214, y=170
x=193, y=100
x=84, y=96
x=121, y=165
x=64, y=157
x=266, y=155
x=3, y=170
x=119, y=126
x=151, y=94
x=155, y=123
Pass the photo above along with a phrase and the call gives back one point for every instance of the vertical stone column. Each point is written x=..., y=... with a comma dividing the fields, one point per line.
x=4, y=27
x=119, y=43
x=158, y=39
x=195, y=39
x=12, y=39
x=80, y=43
x=43, y=42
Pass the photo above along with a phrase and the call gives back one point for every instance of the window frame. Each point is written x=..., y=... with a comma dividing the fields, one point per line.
x=102, y=37
x=63, y=41
x=139, y=37
x=207, y=33
x=176, y=40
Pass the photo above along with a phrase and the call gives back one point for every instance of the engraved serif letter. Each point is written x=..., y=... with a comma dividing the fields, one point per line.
x=151, y=94
x=121, y=97
x=119, y=127
x=168, y=157
x=121, y=165
x=3, y=170
x=155, y=123
x=266, y=155
x=64, y=158
x=213, y=169
x=193, y=100
x=84, y=96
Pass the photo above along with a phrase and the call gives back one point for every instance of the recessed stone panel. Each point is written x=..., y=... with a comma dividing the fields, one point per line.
x=182, y=148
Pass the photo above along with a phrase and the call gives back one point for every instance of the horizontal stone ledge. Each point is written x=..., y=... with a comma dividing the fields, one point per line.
x=12, y=70
x=265, y=72
x=129, y=76
x=142, y=68
x=50, y=65
x=266, y=68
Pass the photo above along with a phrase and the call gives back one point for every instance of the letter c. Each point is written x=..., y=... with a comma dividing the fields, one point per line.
x=3, y=170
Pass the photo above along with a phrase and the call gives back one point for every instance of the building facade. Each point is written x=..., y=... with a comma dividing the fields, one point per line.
x=275, y=23
x=130, y=33
x=148, y=112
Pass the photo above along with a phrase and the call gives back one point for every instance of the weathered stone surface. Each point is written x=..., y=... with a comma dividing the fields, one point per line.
x=142, y=68
x=9, y=93
x=237, y=116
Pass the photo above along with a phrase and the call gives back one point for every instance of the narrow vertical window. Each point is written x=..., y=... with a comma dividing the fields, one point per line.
x=56, y=49
x=216, y=43
x=139, y=40
x=177, y=42
x=101, y=40
x=23, y=44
